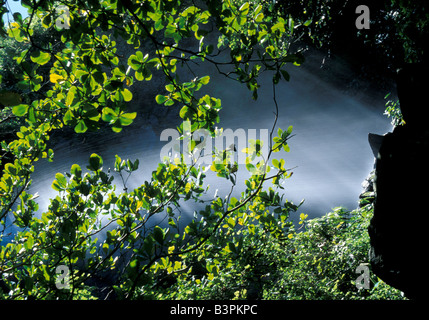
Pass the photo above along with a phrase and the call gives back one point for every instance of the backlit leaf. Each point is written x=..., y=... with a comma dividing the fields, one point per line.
x=158, y=235
x=20, y=110
x=95, y=162
x=160, y=99
x=40, y=57
x=54, y=78
x=127, y=95
x=127, y=118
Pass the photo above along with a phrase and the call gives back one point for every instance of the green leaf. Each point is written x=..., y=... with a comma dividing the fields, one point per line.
x=119, y=164
x=244, y=9
x=68, y=117
x=158, y=235
x=259, y=17
x=139, y=76
x=250, y=167
x=231, y=222
x=133, y=62
x=109, y=114
x=184, y=112
x=16, y=32
x=307, y=23
x=160, y=99
x=20, y=110
x=60, y=182
x=50, y=155
x=61, y=179
x=95, y=162
x=169, y=102
x=232, y=247
x=76, y=170
x=282, y=164
x=127, y=95
x=99, y=77
x=278, y=26
x=127, y=118
x=29, y=242
x=158, y=24
x=285, y=75
x=31, y=115
x=80, y=127
x=90, y=112
x=10, y=168
x=135, y=165
x=276, y=163
x=169, y=87
x=46, y=21
x=70, y=97
x=17, y=17
x=147, y=74
x=116, y=126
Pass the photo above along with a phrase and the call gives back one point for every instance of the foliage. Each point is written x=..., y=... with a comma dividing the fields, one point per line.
x=77, y=78
x=325, y=257
x=393, y=111
x=14, y=91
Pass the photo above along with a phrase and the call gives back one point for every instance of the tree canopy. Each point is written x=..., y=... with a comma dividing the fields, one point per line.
x=75, y=77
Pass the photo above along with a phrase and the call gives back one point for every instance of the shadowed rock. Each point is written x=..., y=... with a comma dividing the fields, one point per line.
x=399, y=228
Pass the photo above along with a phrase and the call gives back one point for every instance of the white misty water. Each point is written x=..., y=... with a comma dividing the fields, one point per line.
x=330, y=148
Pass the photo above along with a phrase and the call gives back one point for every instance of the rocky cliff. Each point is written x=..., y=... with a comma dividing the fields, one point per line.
x=399, y=228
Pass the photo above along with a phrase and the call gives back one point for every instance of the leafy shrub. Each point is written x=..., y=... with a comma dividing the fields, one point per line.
x=324, y=258
x=317, y=263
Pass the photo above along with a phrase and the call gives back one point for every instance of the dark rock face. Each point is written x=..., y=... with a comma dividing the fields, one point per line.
x=399, y=230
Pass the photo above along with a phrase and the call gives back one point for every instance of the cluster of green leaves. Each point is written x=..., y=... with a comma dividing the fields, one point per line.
x=140, y=252
x=411, y=22
x=393, y=111
x=78, y=78
x=323, y=260
x=13, y=90
x=318, y=262
x=224, y=235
